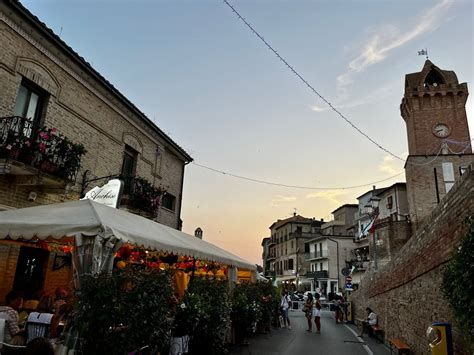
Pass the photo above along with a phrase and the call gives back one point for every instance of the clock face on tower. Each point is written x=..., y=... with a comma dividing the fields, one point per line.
x=441, y=130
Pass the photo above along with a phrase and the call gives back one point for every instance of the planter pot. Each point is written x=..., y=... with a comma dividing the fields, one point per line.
x=14, y=153
x=48, y=167
x=27, y=158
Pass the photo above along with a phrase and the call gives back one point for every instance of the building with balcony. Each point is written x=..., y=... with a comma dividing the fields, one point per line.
x=327, y=253
x=381, y=233
x=64, y=127
x=287, y=247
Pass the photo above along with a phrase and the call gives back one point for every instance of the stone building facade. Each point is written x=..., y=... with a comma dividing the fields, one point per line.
x=327, y=254
x=439, y=144
x=287, y=248
x=48, y=91
x=83, y=106
x=406, y=292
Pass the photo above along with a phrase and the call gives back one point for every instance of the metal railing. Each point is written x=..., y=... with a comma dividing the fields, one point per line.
x=316, y=254
x=21, y=140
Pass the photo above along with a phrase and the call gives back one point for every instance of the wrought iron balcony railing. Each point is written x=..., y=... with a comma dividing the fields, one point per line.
x=139, y=193
x=42, y=148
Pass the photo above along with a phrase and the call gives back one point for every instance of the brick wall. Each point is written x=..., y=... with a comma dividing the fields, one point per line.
x=85, y=110
x=406, y=293
x=421, y=182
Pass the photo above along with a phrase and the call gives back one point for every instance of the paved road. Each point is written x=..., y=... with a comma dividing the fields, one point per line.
x=334, y=340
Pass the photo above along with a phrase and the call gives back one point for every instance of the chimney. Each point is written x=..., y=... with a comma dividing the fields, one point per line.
x=198, y=233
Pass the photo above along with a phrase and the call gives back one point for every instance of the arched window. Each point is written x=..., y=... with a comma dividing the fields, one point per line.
x=434, y=78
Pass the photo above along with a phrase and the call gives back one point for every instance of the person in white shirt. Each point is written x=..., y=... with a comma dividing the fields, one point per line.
x=371, y=320
x=284, y=306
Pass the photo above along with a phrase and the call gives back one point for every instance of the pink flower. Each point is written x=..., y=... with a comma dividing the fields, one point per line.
x=28, y=143
x=44, y=135
x=42, y=147
x=54, y=130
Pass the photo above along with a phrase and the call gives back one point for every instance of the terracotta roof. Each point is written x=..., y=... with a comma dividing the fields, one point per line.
x=41, y=26
x=404, y=184
x=374, y=192
x=346, y=205
x=295, y=219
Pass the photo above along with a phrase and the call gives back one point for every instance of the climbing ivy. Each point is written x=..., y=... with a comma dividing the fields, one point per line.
x=458, y=287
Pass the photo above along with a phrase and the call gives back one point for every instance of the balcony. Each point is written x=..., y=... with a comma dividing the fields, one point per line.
x=320, y=254
x=141, y=197
x=26, y=151
x=271, y=255
x=271, y=242
x=361, y=265
x=322, y=274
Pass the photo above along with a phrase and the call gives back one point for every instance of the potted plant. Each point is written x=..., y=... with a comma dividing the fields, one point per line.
x=145, y=196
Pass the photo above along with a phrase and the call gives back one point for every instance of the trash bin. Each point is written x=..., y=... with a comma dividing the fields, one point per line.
x=440, y=338
x=332, y=307
x=295, y=304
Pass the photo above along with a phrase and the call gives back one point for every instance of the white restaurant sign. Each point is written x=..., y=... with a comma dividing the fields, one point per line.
x=109, y=194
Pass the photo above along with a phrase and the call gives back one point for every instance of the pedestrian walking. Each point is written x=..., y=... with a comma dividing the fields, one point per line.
x=338, y=309
x=284, y=306
x=317, y=313
x=308, y=310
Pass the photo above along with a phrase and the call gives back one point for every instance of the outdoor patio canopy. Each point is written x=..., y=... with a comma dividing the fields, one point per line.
x=88, y=218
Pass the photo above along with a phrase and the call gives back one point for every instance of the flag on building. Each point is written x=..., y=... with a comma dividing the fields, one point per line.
x=354, y=269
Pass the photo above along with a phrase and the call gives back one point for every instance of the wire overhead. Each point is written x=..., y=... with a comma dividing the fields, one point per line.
x=308, y=84
x=292, y=186
x=444, y=143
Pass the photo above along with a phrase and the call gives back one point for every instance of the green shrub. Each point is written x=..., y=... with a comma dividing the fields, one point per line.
x=125, y=310
x=210, y=331
x=253, y=303
x=458, y=287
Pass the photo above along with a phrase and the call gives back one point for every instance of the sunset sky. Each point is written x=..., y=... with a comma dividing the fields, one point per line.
x=206, y=80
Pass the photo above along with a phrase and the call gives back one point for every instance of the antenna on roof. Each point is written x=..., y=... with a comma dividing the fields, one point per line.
x=60, y=31
x=294, y=213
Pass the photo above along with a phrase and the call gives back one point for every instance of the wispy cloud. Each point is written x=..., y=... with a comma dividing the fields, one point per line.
x=377, y=94
x=282, y=199
x=390, y=165
x=328, y=195
x=390, y=37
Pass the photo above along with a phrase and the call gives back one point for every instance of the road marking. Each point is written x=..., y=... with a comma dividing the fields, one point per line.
x=360, y=340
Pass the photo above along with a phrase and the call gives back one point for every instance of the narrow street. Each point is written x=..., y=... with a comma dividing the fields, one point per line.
x=334, y=339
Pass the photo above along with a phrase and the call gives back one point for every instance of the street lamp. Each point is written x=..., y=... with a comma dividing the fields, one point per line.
x=372, y=209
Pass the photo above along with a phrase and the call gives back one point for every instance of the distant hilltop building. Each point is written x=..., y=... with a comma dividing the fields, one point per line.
x=284, y=250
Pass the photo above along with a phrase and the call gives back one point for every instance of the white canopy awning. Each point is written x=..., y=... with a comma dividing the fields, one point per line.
x=91, y=218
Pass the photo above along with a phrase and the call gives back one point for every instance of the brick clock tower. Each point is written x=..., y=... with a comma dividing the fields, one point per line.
x=439, y=145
